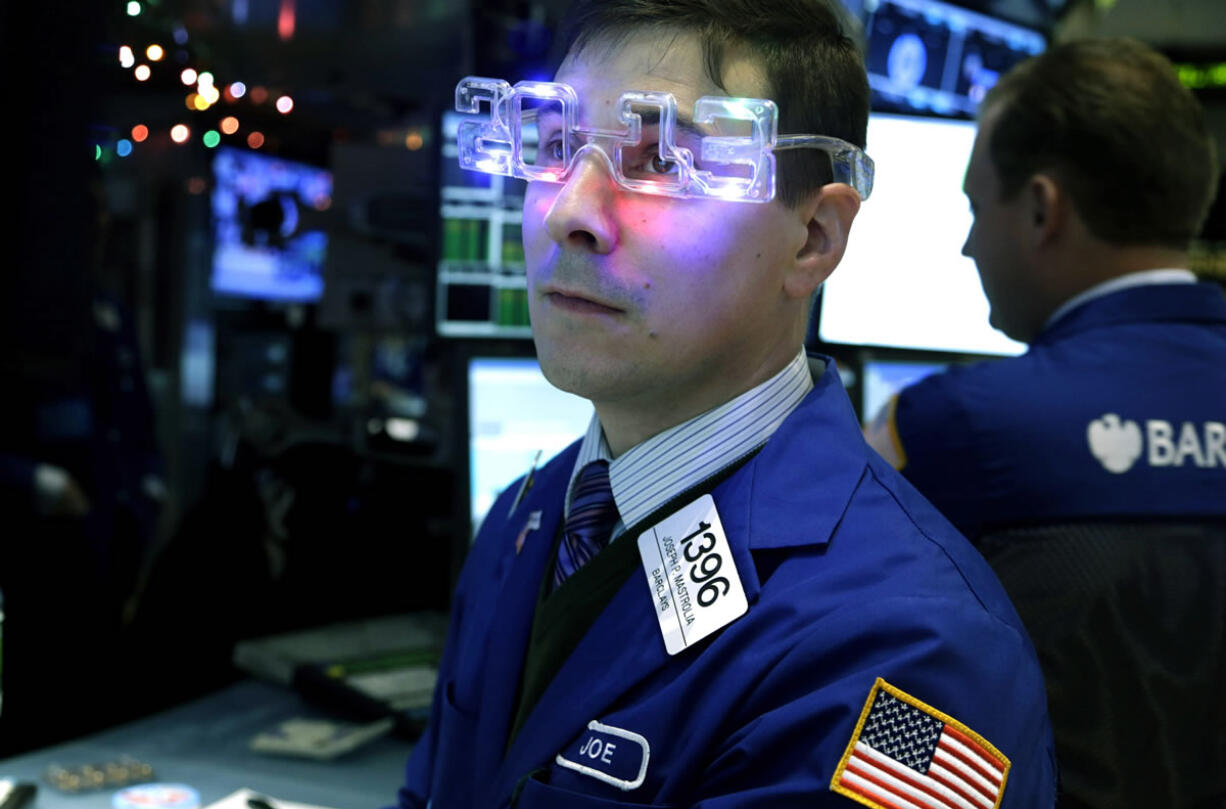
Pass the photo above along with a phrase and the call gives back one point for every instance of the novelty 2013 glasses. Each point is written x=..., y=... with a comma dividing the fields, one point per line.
x=725, y=151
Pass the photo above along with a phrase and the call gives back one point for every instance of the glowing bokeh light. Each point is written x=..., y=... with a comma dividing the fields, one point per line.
x=142, y=72
x=126, y=57
x=258, y=95
x=238, y=89
x=155, y=53
x=255, y=139
x=229, y=125
x=402, y=429
x=140, y=132
x=210, y=94
x=179, y=133
x=414, y=141
x=211, y=138
x=285, y=104
x=133, y=8
x=124, y=147
x=97, y=152
x=180, y=35
x=190, y=101
x=200, y=102
x=188, y=76
x=206, y=79
x=286, y=20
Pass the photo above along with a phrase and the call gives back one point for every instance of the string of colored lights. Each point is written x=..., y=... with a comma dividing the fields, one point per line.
x=204, y=91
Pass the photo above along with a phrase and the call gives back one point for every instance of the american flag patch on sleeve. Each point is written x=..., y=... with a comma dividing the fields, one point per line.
x=905, y=754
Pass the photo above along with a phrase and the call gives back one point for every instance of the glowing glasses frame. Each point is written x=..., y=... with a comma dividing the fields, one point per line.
x=495, y=145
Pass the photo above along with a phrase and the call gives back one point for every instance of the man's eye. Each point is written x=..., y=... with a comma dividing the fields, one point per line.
x=552, y=152
x=659, y=165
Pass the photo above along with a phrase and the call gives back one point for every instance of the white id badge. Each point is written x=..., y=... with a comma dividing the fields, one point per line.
x=694, y=582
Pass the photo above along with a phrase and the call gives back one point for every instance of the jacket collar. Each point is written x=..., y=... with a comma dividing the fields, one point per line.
x=1201, y=302
x=800, y=484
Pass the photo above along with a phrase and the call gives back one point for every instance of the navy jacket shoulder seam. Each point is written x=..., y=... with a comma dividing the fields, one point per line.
x=943, y=550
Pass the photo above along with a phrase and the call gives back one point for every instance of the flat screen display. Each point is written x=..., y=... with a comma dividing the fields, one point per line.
x=269, y=242
x=903, y=281
x=514, y=412
x=481, y=289
x=882, y=378
x=925, y=55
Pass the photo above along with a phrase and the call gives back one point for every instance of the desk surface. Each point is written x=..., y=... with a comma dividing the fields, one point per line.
x=204, y=744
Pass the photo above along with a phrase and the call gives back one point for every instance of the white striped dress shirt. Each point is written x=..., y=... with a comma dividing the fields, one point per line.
x=648, y=475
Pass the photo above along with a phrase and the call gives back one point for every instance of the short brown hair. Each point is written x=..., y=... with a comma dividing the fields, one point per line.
x=1110, y=120
x=814, y=68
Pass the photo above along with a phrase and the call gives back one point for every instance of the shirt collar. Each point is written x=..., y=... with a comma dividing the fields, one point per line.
x=650, y=473
x=1132, y=279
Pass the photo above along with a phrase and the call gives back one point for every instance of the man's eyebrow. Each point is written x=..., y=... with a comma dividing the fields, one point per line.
x=651, y=117
x=550, y=111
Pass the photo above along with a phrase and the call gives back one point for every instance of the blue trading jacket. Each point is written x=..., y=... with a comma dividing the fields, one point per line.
x=850, y=576
x=1117, y=410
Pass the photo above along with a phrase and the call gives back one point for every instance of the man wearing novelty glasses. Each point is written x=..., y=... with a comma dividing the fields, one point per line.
x=719, y=595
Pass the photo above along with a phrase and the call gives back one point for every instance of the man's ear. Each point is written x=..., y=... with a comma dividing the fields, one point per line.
x=1047, y=207
x=828, y=213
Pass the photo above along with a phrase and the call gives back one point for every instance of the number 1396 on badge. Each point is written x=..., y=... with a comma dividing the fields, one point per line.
x=693, y=580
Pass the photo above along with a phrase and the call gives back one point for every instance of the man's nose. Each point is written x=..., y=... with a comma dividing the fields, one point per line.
x=582, y=214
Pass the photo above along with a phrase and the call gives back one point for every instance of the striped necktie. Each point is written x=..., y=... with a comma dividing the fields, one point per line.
x=590, y=523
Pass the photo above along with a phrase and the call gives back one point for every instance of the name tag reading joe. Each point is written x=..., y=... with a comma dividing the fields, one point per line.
x=613, y=755
x=693, y=579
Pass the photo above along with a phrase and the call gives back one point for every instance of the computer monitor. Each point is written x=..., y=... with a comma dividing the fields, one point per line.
x=514, y=412
x=925, y=55
x=882, y=378
x=269, y=239
x=903, y=281
x=482, y=291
